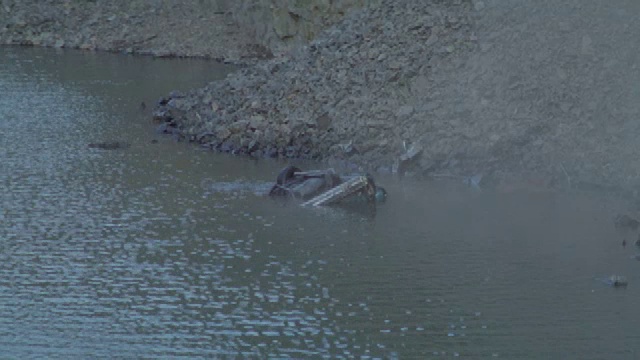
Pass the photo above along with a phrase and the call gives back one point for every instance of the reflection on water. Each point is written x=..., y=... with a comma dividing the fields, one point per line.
x=165, y=250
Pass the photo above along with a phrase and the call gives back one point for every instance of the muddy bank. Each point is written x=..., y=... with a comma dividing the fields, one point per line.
x=240, y=32
x=541, y=92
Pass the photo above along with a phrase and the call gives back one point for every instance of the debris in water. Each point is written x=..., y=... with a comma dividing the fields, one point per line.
x=617, y=281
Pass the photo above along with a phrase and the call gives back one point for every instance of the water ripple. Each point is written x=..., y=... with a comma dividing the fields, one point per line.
x=164, y=251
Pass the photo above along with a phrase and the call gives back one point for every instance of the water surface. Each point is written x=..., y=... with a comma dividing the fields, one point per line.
x=165, y=250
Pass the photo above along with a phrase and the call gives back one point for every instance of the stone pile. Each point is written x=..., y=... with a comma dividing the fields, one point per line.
x=343, y=96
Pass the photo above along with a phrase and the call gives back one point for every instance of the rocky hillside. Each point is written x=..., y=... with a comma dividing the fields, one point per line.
x=342, y=96
x=541, y=92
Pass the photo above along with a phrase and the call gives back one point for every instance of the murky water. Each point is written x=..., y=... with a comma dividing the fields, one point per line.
x=164, y=250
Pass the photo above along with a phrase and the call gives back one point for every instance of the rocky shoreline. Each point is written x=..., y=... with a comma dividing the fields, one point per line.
x=510, y=93
x=238, y=32
x=540, y=93
x=339, y=97
x=136, y=27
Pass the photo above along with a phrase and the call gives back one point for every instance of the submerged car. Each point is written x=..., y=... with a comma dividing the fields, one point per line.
x=325, y=187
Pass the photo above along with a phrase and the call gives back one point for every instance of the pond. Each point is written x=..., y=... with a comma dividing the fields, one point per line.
x=162, y=249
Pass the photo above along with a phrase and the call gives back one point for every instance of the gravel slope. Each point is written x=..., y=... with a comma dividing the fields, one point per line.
x=540, y=93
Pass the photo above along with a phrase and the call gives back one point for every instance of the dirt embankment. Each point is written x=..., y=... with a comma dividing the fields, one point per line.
x=145, y=27
x=240, y=32
x=542, y=91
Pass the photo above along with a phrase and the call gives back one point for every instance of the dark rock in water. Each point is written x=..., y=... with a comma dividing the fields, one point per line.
x=109, y=145
x=257, y=154
x=162, y=128
x=162, y=116
x=271, y=152
x=226, y=147
x=167, y=128
x=253, y=146
x=618, y=281
x=204, y=137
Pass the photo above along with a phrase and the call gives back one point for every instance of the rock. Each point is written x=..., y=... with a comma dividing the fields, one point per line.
x=162, y=128
x=271, y=152
x=227, y=147
x=222, y=133
x=253, y=146
x=347, y=148
x=204, y=137
x=587, y=45
x=402, y=164
x=176, y=95
x=432, y=40
x=238, y=126
x=284, y=23
x=414, y=150
x=162, y=116
x=323, y=122
x=618, y=281
x=404, y=111
x=256, y=122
